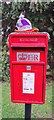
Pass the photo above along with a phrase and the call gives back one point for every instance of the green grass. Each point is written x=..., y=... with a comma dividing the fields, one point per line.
x=13, y=110
x=45, y=110
x=0, y=100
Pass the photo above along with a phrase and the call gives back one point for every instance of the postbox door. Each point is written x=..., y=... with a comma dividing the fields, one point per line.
x=32, y=91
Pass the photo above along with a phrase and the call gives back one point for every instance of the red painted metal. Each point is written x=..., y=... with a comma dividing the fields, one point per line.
x=28, y=59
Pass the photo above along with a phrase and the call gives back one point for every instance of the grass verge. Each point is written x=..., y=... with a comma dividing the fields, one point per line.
x=14, y=110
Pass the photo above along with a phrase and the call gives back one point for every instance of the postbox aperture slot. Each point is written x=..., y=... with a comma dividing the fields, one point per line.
x=28, y=48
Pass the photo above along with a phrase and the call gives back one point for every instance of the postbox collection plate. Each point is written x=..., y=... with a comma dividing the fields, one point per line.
x=28, y=82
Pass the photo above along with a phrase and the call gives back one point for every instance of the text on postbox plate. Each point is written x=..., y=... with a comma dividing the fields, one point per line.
x=28, y=56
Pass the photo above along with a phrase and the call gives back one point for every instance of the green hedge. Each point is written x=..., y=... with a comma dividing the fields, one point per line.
x=40, y=15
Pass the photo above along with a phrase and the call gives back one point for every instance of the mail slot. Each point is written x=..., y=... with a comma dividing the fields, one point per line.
x=28, y=59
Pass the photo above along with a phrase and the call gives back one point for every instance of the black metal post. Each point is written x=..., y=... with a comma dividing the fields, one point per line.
x=27, y=111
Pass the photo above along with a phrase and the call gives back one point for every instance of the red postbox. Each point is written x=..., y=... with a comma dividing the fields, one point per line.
x=28, y=58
